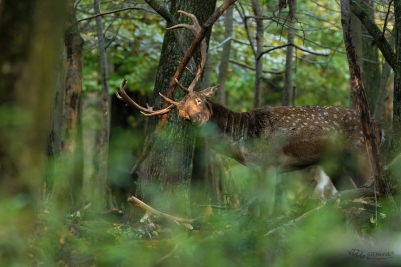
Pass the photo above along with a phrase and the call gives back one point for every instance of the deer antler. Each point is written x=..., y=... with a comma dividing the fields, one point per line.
x=195, y=29
x=122, y=95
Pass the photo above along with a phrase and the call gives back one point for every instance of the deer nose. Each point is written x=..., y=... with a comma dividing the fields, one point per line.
x=198, y=119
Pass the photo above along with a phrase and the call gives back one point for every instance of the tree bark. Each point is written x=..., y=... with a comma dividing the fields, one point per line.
x=54, y=135
x=164, y=177
x=27, y=60
x=356, y=31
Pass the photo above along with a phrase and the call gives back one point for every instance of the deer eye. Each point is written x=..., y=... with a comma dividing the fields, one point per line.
x=198, y=101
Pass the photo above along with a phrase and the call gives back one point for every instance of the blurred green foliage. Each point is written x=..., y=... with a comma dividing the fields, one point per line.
x=227, y=238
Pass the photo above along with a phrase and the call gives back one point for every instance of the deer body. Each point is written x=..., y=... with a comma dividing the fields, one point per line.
x=285, y=137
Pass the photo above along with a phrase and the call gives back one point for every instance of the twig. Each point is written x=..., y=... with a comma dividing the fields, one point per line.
x=252, y=68
x=76, y=4
x=115, y=11
x=134, y=201
x=294, y=45
x=386, y=19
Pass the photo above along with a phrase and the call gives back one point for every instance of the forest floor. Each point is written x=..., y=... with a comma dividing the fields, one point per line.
x=348, y=228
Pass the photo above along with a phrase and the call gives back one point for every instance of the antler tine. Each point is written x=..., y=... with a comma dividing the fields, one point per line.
x=195, y=29
x=158, y=112
x=122, y=95
x=172, y=102
x=181, y=86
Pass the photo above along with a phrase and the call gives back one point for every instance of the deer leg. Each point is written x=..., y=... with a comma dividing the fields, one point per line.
x=359, y=169
x=324, y=187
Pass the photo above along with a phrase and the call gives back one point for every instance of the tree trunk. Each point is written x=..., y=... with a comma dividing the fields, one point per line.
x=370, y=64
x=396, y=140
x=165, y=175
x=356, y=31
x=54, y=135
x=371, y=139
x=288, y=87
x=259, y=49
x=27, y=60
x=98, y=180
x=225, y=55
x=380, y=113
x=68, y=181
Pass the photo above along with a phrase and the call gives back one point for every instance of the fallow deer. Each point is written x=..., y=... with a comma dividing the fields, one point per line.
x=289, y=138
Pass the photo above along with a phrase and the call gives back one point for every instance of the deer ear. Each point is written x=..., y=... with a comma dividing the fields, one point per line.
x=208, y=92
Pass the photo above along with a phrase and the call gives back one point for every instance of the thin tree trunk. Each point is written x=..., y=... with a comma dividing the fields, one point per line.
x=102, y=140
x=288, y=95
x=27, y=60
x=372, y=142
x=379, y=111
x=225, y=55
x=288, y=87
x=259, y=49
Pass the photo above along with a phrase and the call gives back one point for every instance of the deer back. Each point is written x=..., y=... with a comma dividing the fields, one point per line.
x=290, y=137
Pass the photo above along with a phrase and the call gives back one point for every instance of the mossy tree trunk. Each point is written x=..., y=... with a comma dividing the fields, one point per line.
x=164, y=178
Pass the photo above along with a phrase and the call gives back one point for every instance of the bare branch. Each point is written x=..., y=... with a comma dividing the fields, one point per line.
x=115, y=11
x=386, y=19
x=296, y=46
x=252, y=68
x=161, y=10
x=134, y=201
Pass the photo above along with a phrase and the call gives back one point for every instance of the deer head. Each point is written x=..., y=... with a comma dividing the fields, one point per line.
x=194, y=106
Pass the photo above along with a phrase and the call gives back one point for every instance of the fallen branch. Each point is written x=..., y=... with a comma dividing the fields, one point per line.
x=136, y=202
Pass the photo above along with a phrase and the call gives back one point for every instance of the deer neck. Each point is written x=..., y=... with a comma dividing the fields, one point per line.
x=230, y=130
